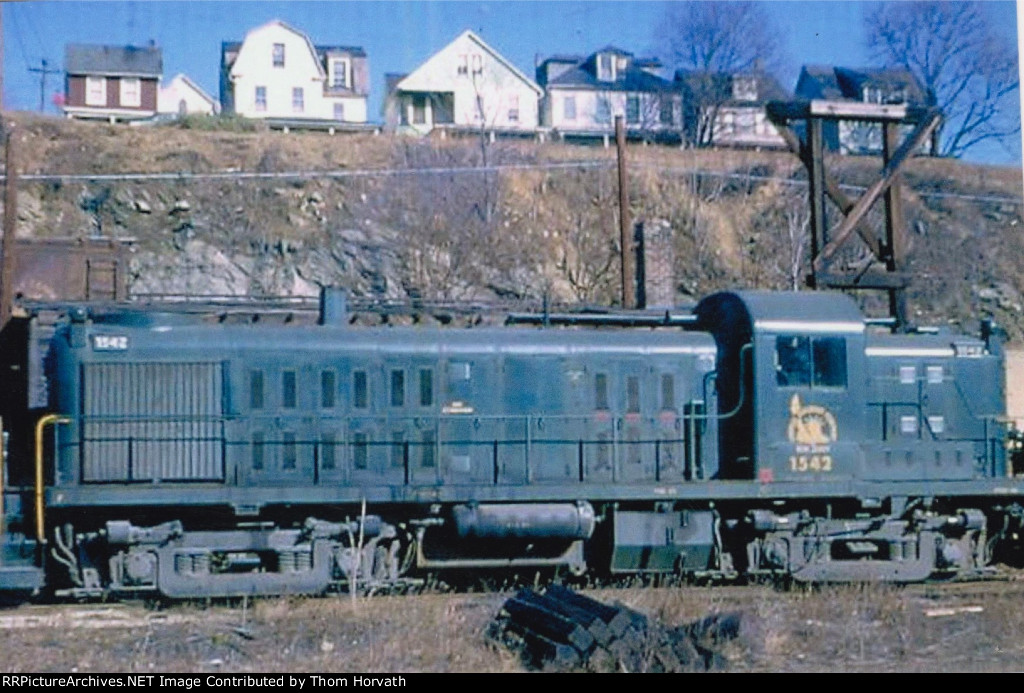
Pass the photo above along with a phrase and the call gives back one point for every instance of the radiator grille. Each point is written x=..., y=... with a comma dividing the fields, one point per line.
x=152, y=422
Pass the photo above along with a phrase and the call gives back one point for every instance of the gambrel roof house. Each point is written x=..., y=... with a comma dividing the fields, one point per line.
x=277, y=74
x=584, y=94
x=465, y=85
x=181, y=96
x=728, y=109
x=867, y=85
x=111, y=82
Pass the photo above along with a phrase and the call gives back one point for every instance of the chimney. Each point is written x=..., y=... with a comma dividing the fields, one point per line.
x=655, y=276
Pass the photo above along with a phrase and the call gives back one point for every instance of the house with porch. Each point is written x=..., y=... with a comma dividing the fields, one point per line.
x=465, y=86
x=728, y=109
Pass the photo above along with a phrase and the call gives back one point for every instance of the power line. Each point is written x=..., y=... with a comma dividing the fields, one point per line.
x=184, y=176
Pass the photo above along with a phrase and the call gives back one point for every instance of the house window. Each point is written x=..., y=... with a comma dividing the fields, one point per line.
x=478, y=63
x=463, y=65
x=95, y=91
x=604, y=110
x=298, y=100
x=278, y=55
x=744, y=89
x=339, y=111
x=131, y=92
x=513, y=108
x=665, y=111
x=606, y=67
x=261, y=98
x=340, y=73
x=633, y=109
x=569, y=108
x=419, y=109
x=478, y=115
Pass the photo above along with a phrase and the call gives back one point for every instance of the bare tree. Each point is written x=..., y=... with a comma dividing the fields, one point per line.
x=708, y=42
x=968, y=69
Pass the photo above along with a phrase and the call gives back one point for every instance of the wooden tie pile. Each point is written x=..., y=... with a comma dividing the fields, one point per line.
x=563, y=629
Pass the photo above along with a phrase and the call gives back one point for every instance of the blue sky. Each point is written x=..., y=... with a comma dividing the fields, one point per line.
x=398, y=36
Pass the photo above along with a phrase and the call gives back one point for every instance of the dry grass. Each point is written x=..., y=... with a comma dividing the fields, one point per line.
x=848, y=629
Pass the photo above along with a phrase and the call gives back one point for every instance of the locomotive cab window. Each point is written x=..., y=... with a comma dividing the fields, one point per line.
x=810, y=362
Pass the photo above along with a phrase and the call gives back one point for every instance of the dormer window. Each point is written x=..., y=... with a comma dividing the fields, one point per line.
x=339, y=69
x=606, y=64
x=873, y=95
x=278, y=54
x=744, y=89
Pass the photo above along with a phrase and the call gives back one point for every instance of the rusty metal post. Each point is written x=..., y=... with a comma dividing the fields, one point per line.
x=816, y=193
x=894, y=226
x=625, y=226
x=10, y=222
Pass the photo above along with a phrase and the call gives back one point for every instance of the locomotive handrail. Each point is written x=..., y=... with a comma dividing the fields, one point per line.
x=40, y=487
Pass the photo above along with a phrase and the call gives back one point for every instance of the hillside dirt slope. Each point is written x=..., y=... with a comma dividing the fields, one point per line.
x=251, y=211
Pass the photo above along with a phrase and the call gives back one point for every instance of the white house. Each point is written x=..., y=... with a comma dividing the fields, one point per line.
x=584, y=94
x=467, y=84
x=277, y=73
x=181, y=96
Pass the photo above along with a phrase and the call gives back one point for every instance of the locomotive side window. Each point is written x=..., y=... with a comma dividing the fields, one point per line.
x=427, y=449
x=360, y=390
x=426, y=387
x=289, y=453
x=328, y=388
x=632, y=394
x=601, y=391
x=398, y=388
x=807, y=362
x=256, y=390
x=328, y=444
x=257, y=450
x=397, y=449
x=288, y=389
x=360, y=450
x=668, y=392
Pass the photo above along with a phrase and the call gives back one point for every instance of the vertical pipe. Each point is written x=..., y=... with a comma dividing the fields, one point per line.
x=894, y=226
x=625, y=225
x=816, y=192
x=10, y=221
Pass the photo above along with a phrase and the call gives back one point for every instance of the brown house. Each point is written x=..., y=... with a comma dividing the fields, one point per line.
x=111, y=82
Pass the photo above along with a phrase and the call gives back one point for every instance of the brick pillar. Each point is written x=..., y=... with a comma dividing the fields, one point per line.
x=656, y=286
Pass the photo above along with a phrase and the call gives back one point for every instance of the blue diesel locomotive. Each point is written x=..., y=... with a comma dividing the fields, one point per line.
x=761, y=434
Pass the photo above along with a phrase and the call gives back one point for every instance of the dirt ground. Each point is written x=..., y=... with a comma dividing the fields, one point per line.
x=972, y=628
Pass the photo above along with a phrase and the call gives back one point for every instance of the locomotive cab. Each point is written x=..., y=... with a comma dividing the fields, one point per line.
x=792, y=389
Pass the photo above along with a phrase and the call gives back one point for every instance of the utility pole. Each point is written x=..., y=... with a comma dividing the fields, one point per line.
x=43, y=71
x=625, y=224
